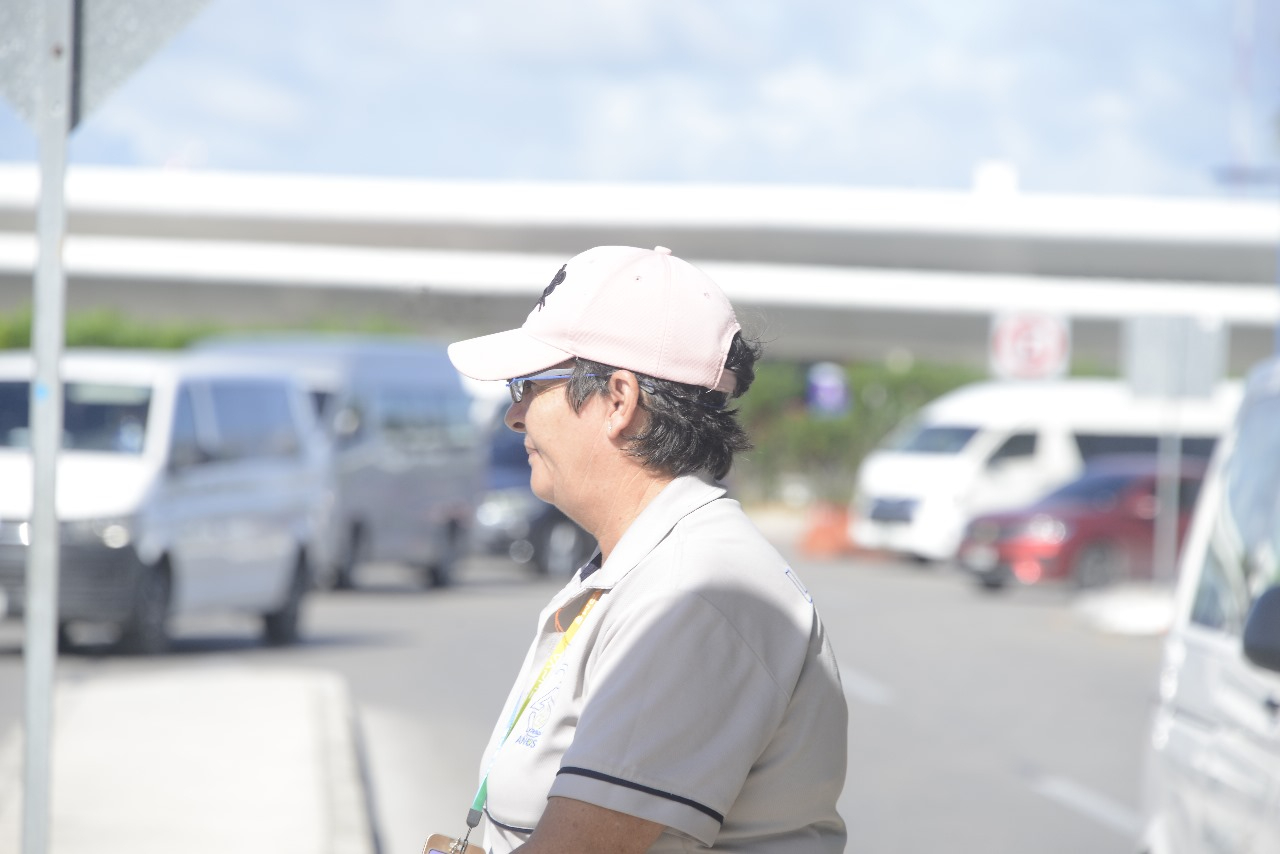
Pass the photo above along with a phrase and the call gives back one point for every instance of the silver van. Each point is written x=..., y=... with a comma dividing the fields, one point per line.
x=407, y=465
x=184, y=485
x=1212, y=776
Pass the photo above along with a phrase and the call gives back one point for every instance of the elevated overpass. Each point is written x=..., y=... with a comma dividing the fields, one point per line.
x=818, y=272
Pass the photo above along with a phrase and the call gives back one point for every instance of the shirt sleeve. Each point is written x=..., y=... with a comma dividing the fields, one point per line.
x=680, y=703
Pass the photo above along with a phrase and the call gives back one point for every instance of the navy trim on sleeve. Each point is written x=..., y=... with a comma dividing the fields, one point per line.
x=596, y=775
x=508, y=827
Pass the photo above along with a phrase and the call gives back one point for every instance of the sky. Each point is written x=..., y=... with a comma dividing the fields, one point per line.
x=1137, y=97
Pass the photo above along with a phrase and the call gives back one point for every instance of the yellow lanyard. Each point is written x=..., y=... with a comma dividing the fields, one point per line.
x=477, y=806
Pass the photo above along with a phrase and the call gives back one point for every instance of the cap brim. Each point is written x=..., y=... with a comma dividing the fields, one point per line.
x=504, y=356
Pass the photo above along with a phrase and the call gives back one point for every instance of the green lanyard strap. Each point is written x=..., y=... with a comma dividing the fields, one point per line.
x=482, y=795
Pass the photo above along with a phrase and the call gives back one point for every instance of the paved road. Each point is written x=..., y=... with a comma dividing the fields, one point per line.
x=978, y=723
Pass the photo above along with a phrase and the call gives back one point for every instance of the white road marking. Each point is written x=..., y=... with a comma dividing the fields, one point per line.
x=1089, y=803
x=861, y=687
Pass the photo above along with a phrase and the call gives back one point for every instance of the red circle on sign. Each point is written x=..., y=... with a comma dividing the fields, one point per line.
x=1030, y=346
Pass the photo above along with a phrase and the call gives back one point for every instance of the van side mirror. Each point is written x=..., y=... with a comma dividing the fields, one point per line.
x=183, y=457
x=1262, y=630
x=346, y=424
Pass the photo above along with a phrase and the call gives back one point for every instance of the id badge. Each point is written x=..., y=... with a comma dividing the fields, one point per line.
x=438, y=843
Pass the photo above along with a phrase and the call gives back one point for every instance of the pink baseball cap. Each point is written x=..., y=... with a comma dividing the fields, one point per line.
x=644, y=310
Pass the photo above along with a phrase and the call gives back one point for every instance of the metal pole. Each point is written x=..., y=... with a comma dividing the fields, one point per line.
x=41, y=617
x=1169, y=450
x=1168, y=484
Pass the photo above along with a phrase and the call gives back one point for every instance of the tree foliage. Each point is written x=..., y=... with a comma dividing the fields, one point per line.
x=106, y=328
x=796, y=443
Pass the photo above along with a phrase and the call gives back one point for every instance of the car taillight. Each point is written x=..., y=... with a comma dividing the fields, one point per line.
x=1027, y=571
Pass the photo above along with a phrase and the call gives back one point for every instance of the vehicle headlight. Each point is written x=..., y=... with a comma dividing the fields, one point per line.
x=114, y=533
x=506, y=506
x=1046, y=529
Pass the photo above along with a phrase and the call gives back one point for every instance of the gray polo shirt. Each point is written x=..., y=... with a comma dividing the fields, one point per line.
x=700, y=693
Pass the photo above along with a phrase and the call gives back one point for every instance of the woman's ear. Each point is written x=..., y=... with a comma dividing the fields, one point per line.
x=622, y=403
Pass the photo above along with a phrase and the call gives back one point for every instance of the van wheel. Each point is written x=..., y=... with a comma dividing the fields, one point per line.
x=1097, y=565
x=993, y=582
x=146, y=631
x=440, y=573
x=280, y=627
x=66, y=643
x=344, y=577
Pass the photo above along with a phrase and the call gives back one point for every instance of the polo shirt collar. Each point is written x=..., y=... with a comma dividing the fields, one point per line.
x=676, y=500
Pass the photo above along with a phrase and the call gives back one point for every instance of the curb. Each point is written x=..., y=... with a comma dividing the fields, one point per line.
x=352, y=829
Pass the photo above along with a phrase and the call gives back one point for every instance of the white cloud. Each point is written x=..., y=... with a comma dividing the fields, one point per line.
x=1079, y=94
x=205, y=115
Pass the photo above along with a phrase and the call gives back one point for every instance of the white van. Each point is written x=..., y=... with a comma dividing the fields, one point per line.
x=1213, y=758
x=407, y=469
x=184, y=485
x=994, y=446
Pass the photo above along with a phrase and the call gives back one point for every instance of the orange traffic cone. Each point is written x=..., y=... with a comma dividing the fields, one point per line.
x=826, y=532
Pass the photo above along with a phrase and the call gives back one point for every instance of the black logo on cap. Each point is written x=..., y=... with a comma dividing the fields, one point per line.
x=559, y=277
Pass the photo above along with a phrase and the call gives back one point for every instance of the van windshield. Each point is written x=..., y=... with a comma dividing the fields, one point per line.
x=95, y=416
x=922, y=439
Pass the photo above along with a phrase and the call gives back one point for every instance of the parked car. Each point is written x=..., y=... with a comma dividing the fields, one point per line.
x=184, y=484
x=1095, y=530
x=995, y=446
x=408, y=463
x=1212, y=776
x=512, y=520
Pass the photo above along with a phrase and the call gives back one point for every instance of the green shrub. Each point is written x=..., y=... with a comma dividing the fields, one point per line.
x=106, y=328
x=823, y=451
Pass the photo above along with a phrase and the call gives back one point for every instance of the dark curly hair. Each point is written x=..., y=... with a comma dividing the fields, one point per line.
x=690, y=429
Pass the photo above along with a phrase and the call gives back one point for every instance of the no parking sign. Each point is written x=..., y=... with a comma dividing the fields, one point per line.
x=1027, y=346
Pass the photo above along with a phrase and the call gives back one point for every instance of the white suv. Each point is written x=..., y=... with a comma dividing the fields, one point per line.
x=1213, y=769
x=185, y=484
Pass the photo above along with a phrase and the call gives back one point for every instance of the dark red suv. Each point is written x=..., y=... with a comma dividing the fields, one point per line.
x=1095, y=530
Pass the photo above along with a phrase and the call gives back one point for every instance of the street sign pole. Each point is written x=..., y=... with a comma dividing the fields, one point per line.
x=1172, y=359
x=1168, y=502
x=54, y=121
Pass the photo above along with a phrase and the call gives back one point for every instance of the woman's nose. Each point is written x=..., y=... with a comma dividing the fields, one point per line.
x=514, y=417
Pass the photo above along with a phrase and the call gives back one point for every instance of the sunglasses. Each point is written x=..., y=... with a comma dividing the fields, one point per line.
x=519, y=386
